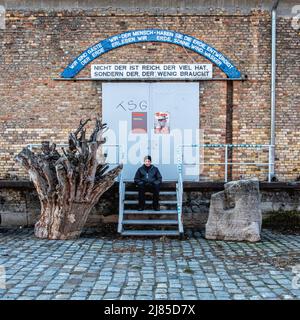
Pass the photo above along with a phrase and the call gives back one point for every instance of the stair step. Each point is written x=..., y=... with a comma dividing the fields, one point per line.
x=150, y=233
x=163, y=222
x=161, y=192
x=150, y=212
x=150, y=202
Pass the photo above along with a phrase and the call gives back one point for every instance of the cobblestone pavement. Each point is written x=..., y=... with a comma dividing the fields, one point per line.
x=126, y=268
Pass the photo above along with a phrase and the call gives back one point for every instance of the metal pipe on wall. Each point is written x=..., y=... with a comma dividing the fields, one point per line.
x=273, y=86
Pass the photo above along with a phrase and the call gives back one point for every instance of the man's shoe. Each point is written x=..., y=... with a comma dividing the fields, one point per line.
x=140, y=209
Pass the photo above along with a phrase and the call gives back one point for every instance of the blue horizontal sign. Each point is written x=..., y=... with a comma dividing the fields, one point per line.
x=151, y=35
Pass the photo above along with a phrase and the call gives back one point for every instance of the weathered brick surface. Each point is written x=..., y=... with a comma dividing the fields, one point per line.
x=37, y=45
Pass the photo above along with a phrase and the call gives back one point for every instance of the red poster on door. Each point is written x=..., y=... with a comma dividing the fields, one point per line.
x=139, y=122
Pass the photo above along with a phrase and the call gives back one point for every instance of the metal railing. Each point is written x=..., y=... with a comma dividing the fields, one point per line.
x=121, y=202
x=179, y=195
x=179, y=192
x=226, y=163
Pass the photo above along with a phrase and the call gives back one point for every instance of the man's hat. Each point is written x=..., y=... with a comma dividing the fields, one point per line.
x=147, y=158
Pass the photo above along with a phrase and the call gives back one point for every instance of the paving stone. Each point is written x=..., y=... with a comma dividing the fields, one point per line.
x=161, y=296
x=206, y=296
x=113, y=289
x=111, y=295
x=86, y=269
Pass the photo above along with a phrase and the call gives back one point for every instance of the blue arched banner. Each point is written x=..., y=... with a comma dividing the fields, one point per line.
x=151, y=35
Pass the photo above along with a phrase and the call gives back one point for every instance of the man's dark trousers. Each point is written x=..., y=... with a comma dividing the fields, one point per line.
x=153, y=187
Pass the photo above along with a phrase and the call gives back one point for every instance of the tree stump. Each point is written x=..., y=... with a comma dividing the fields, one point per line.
x=68, y=184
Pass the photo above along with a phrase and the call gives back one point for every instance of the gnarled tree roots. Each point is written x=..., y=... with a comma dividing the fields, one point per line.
x=68, y=184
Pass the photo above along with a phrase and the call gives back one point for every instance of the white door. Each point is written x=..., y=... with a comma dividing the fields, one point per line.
x=152, y=118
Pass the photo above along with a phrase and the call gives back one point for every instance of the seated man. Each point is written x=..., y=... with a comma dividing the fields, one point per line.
x=148, y=176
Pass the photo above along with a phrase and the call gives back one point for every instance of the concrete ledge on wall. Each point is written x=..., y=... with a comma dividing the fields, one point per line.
x=145, y=6
x=13, y=218
x=188, y=185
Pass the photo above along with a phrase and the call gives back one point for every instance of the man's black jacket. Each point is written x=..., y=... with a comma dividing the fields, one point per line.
x=152, y=176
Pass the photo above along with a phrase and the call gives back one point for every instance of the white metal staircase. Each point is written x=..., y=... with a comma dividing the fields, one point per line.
x=166, y=222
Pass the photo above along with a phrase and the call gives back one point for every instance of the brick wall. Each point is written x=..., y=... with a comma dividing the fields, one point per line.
x=37, y=45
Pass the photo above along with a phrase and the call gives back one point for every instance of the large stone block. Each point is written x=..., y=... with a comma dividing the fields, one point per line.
x=235, y=213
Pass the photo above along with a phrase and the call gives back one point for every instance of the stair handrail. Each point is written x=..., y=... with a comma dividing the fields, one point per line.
x=179, y=190
x=121, y=201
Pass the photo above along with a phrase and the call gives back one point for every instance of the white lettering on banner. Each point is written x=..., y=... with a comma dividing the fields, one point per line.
x=151, y=71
